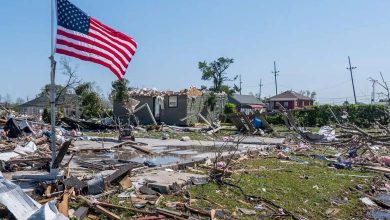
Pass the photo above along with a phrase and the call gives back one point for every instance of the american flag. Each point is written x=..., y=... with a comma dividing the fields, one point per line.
x=84, y=37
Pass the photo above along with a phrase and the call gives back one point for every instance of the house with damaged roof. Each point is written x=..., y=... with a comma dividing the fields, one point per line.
x=289, y=100
x=180, y=108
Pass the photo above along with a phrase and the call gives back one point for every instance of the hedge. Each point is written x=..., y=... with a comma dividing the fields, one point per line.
x=319, y=115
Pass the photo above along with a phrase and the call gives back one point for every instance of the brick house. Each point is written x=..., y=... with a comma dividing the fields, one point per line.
x=289, y=100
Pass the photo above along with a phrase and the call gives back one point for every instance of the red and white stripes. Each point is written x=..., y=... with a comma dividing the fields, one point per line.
x=102, y=45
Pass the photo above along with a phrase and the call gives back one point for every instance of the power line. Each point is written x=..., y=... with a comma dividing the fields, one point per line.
x=275, y=72
x=240, y=84
x=350, y=68
x=260, y=85
x=373, y=81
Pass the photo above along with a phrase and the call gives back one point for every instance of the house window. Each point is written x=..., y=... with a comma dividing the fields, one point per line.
x=285, y=104
x=172, y=101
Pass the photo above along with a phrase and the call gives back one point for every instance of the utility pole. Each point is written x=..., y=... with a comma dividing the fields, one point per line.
x=275, y=72
x=373, y=89
x=260, y=85
x=240, y=84
x=350, y=68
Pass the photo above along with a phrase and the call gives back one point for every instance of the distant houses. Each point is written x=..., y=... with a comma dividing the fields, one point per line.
x=246, y=103
x=68, y=103
x=289, y=100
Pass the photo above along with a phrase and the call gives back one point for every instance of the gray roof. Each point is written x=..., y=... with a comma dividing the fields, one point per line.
x=246, y=99
x=289, y=95
x=44, y=101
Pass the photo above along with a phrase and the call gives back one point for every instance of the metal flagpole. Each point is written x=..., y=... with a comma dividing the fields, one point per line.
x=54, y=173
x=53, y=93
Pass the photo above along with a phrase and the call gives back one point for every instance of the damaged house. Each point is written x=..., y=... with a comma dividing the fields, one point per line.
x=175, y=108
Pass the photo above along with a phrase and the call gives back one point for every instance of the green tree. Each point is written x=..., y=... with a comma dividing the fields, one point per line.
x=91, y=105
x=119, y=91
x=216, y=72
x=46, y=117
x=83, y=88
x=90, y=102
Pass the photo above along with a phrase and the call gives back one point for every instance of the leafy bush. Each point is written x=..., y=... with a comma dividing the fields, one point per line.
x=319, y=115
x=230, y=108
x=275, y=118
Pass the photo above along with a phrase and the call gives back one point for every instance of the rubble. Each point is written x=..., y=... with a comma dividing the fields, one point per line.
x=140, y=172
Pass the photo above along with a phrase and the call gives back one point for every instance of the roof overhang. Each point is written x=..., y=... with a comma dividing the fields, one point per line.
x=256, y=106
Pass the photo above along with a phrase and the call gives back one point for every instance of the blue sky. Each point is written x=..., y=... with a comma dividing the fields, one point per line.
x=310, y=41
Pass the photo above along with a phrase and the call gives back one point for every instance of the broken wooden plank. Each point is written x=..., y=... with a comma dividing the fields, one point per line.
x=377, y=168
x=142, y=149
x=123, y=170
x=63, y=206
x=126, y=182
x=210, y=214
x=99, y=208
x=172, y=214
x=61, y=154
x=109, y=205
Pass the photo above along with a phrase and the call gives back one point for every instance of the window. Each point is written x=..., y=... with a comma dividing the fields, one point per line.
x=172, y=101
x=285, y=104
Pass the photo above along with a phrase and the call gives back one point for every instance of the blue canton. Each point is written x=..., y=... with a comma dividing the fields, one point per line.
x=71, y=17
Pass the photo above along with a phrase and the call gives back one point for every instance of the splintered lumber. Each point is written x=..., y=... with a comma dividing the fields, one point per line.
x=48, y=191
x=44, y=201
x=99, y=208
x=241, y=121
x=210, y=214
x=3, y=121
x=172, y=214
x=109, y=205
x=377, y=168
x=41, y=140
x=61, y=154
x=31, y=160
x=142, y=149
x=63, y=206
x=152, y=217
x=126, y=182
x=119, y=173
x=264, y=121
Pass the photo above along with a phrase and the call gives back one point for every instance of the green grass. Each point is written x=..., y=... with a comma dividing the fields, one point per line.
x=286, y=185
x=173, y=135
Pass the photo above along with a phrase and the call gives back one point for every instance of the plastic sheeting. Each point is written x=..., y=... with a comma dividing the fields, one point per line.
x=24, y=207
x=28, y=149
x=328, y=133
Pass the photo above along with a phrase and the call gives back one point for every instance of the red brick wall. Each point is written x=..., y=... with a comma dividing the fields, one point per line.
x=294, y=104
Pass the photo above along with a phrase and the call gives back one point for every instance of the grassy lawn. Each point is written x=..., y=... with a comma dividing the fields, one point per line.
x=306, y=190
x=172, y=134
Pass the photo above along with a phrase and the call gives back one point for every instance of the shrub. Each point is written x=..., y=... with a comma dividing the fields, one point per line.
x=319, y=115
x=230, y=108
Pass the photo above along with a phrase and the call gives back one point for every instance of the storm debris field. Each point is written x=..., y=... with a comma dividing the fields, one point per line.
x=207, y=171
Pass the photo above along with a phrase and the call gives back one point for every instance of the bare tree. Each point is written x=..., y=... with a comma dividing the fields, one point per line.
x=72, y=78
